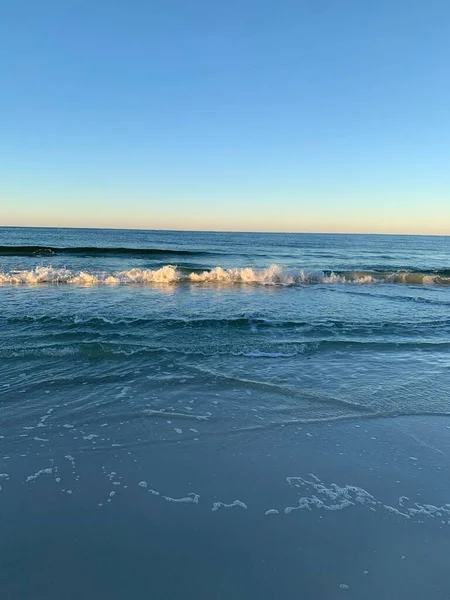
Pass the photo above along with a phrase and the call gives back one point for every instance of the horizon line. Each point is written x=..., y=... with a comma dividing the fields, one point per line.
x=223, y=231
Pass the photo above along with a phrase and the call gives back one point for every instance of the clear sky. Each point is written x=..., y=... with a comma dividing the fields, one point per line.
x=291, y=115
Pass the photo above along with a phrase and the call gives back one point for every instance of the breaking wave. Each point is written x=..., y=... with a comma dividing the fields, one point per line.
x=273, y=275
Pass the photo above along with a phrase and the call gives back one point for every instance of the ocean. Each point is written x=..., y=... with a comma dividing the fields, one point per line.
x=224, y=415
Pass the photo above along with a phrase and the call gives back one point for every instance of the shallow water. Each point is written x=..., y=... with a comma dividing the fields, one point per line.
x=155, y=381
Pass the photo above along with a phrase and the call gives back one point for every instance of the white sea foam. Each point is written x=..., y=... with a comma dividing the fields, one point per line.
x=144, y=485
x=335, y=497
x=169, y=274
x=218, y=505
x=190, y=498
x=33, y=477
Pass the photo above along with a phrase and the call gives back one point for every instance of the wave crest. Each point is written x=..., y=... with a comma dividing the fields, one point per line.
x=273, y=275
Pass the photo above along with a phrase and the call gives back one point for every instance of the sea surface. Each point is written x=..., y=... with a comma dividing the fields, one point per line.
x=223, y=415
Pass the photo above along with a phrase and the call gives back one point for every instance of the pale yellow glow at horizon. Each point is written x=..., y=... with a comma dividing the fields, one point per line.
x=315, y=215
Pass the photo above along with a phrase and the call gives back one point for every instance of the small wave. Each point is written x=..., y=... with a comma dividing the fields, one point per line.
x=172, y=322
x=342, y=330
x=95, y=350
x=95, y=251
x=273, y=275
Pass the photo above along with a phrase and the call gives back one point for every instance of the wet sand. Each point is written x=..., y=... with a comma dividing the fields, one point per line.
x=81, y=526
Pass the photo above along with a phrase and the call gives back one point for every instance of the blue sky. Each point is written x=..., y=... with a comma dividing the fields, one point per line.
x=305, y=115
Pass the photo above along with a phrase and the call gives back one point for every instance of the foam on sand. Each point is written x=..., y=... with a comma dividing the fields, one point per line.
x=335, y=498
x=218, y=505
x=48, y=471
x=190, y=498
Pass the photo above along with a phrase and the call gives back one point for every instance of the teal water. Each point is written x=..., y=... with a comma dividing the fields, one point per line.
x=316, y=327
x=226, y=373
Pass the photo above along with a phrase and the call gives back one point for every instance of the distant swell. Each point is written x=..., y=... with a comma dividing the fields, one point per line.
x=94, y=251
x=271, y=276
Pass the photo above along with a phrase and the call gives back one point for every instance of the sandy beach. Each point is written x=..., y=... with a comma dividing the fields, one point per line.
x=381, y=531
